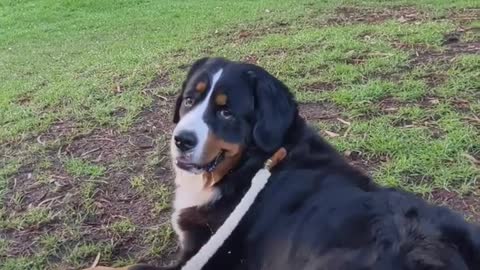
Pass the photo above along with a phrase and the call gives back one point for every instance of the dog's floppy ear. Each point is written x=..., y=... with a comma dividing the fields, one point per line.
x=178, y=103
x=275, y=110
x=196, y=65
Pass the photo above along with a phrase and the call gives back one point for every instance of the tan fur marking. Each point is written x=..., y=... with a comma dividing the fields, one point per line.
x=201, y=87
x=221, y=100
x=233, y=153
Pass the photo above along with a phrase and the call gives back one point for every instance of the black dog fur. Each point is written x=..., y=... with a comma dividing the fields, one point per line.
x=316, y=212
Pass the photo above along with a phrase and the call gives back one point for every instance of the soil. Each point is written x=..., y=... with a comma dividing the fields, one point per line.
x=124, y=154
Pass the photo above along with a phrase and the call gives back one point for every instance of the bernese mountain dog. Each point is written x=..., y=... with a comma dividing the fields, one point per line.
x=316, y=212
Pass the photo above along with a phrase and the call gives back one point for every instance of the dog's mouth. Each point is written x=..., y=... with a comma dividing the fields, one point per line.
x=184, y=164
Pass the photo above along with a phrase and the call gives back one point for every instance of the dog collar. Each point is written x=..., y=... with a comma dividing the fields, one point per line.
x=215, y=242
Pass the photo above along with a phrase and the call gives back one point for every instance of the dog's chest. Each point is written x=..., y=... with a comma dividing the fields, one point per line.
x=190, y=191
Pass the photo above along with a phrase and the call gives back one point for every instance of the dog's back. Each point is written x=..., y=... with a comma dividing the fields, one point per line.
x=347, y=228
x=316, y=212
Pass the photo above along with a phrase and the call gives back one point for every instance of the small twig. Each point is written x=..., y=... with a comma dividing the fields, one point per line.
x=331, y=134
x=344, y=122
x=130, y=141
x=59, y=152
x=96, y=181
x=473, y=119
x=101, y=139
x=347, y=131
x=161, y=97
x=99, y=157
x=39, y=140
x=90, y=151
x=49, y=200
x=59, y=176
x=471, y=158
x=95, y=262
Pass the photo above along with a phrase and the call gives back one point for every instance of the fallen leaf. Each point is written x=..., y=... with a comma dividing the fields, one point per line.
x=402, y=19
x=433, y=101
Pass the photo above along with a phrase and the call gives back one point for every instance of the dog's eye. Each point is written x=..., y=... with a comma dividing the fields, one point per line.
x=188, y=102
x=225, y=114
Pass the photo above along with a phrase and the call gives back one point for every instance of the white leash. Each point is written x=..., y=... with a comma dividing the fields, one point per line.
x=216, y=241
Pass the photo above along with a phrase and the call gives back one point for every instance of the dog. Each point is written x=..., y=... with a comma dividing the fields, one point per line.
x=316, y=212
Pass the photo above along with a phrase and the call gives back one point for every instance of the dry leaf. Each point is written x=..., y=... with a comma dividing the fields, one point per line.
x=434, y=101
x=402, y=19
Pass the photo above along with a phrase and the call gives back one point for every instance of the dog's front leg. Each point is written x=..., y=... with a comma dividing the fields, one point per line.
x=193, y=240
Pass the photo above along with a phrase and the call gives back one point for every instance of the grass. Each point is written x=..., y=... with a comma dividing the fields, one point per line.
x=77, y=167
x=86, y=83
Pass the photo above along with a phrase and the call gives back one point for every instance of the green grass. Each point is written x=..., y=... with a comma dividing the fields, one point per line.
x=122, y=228
x=98, y=66
x=32, y=218
x=79, y=168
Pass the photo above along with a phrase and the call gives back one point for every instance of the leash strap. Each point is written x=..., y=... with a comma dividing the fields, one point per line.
x=216, y=241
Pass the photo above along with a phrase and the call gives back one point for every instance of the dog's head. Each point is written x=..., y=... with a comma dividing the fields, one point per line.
x=224, y=108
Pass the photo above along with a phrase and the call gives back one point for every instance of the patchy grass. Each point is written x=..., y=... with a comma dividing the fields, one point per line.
x=87, y=90
x=78, y=168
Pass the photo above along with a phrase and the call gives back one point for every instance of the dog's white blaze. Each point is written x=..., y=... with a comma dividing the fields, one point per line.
x=193, y=121
x=190, y=189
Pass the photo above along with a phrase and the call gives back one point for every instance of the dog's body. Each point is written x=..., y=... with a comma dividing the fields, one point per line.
x=316, y=212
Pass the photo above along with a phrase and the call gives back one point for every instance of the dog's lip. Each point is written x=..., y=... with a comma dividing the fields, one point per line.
x=184, y=163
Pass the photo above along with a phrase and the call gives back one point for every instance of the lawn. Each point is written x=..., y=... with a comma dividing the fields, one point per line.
x=87, y=89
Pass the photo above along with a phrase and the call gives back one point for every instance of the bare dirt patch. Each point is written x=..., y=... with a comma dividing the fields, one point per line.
x=251, y=59
x=160, y=80
x=355, y=15
x=423, y=55
x=390, y=105
x=454, y=45
x=366, y=164
x=253, y=32
x=464, y=15
x=319, y=111
x=328, y=113
x=467, y=204
x=45, y=183
x=320, y=87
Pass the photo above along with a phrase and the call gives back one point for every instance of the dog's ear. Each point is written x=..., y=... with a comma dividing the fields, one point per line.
x=178, y=104
x=195, y=66
x=275, y=110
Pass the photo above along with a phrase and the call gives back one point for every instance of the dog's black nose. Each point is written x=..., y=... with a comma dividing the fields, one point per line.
x=185, y=141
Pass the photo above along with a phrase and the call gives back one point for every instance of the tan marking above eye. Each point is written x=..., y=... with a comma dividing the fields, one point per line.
x=221, y=100
x=201, y=87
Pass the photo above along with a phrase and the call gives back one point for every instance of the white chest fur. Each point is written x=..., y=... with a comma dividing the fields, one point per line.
x=190, y=191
